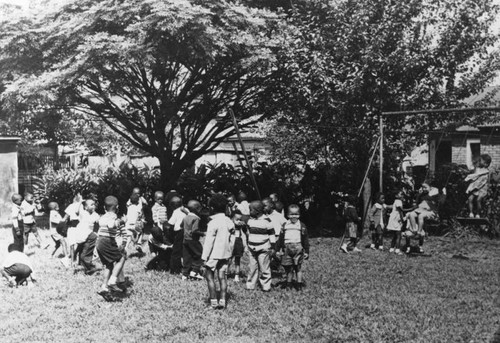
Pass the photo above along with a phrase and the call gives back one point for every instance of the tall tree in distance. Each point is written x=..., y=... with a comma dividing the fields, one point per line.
x=159, y=73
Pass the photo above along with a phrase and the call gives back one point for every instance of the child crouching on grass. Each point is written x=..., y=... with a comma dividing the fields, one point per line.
x=16, y=267
x=294, y=242
x=351, y=226
x=218, y=249
x=112, y=256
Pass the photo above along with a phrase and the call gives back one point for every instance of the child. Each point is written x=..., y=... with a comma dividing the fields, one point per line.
x=243, y=205
x=478, y=189
x=294, y=242
x=351, y=226
x=174, y=226
x=159, y=210
x=112, y=256
x=192, y=248
x=72, y=212
x=17, y=267
x=29, y=211
x=135, y=222
x=239, y=247
x=261, y=243
x=17, y=221
x=217, y=250
x=395, y=224
x=86, y=238
x=58, y=231
x=377, y=222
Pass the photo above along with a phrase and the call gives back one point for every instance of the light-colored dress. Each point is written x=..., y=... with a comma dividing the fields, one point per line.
x=395, y=222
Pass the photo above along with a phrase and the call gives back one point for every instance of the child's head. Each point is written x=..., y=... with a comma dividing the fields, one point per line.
x=237, y=216
x=159, y=196
x=134, y=198
x=218, y=203
x=268, y=205
x=242, y=196
x=111, y=203
x=293, y=213
x=426, y=186
x=400, y=195
x=278, y=205
x=194, y=206
x=89, y=205
x=77, y=198
x=175, y=202
x=17, y=199
x=231, y=200
x=274, y=197
x=13, y=247
x=137, y=191
x=29, y=198
x=53, y=206
x=485, y=160
x=256, y=209
x=380, y=198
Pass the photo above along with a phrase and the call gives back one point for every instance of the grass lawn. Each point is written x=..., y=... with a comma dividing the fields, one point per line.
x=451, y=296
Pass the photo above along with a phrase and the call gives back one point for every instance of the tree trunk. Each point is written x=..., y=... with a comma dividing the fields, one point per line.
x=170, y=172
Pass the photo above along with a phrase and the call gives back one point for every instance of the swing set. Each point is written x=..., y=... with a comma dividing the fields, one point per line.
x=380, y=143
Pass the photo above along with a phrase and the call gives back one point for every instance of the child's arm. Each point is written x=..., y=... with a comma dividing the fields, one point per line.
x=305, y=241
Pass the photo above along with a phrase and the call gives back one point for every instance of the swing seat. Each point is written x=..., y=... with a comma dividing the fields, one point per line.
x=473, y=221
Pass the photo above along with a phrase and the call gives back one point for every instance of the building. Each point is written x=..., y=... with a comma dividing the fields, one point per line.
x=8, y=175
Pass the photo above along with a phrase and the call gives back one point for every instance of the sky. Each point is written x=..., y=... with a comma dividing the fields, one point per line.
x=23, y=3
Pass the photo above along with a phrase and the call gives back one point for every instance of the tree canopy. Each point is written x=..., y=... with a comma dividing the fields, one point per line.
x=159, y=73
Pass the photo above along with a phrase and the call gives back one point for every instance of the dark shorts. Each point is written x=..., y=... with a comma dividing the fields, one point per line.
x=30, y=228
x=108, y=251
x=238, y=247
x=294, y=255
x=377, y=229
x=19, y=271
x=62, y=229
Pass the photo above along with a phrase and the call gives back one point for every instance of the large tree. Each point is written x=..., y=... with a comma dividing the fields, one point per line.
x=160, y=73
x=350, y=60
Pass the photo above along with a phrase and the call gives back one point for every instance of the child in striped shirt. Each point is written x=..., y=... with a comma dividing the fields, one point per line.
x=261, y=243
x=159, y=210
x=112, y=256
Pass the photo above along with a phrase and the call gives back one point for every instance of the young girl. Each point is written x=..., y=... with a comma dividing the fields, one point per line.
x=351, y=226
x=239, y=248
x=396, y=223
x=377, y=222
x=112, y=256
x=218, y=249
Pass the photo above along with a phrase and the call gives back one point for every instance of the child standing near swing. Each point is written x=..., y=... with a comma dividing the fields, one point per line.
x=478, y=189
x=377, y=222
x=395, y=224
x=351, y=226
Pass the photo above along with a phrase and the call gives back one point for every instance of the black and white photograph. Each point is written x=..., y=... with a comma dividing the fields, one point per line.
x=250, y=171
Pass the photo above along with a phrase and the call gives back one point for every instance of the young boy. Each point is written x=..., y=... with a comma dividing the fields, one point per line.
x=294, y=242
x=135, y=222
x=17, y=267
x=217, y=250
x=58, y=231
x=17, y=221
x=112, y=256
x=241, y=230
x=29, y=210
x=478, y=189
x=261, y=243
x=377, y=222
x=159, y=210
x=192, y=248
x=351, y=226
x=174, y=226
x=86, y=238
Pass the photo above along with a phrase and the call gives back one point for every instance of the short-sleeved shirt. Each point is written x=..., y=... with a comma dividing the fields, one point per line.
x=159, y=213
x=73, y=211
x=16, y=257
x=16, y=213
x=190, y=224
x=54, y=218
x=134, y=214
x=244, y=207
x=28, y=211
x=293, y=232
x=86, y=226
x=260, y=234
x=277, y=220
x=177, y=218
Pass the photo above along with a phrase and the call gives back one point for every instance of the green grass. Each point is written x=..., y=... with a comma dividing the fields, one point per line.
x=369, y=297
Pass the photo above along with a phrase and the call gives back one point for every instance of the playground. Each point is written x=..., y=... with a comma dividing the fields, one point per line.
x=448, y=295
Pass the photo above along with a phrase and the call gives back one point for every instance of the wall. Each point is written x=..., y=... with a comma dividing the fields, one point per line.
x=8, y=176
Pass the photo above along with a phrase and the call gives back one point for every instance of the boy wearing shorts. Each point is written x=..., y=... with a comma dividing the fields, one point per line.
x=17, y=267
x=17, y=221
x=294, y=244
x=192, y=248
x=217, y=250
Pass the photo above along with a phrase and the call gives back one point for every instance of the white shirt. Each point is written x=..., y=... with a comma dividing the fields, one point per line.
x=29, y=211
x=177, y=218
x=17, y=257
x=134, y=214
x=85, y=226
x=277, y=220
x=244, y=207
x=73, y=211
x=55, y=219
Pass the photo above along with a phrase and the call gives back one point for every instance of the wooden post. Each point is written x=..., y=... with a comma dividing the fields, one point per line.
x=250, y=169
x=381, y=153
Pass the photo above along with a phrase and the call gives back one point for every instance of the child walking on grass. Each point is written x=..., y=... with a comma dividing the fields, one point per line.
x=112, y=256
x=58, y=232
x=377, y=222
x=217, y=250
x=351, y=226
x=294, y=242
x=395, y=224
x=239, y=247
